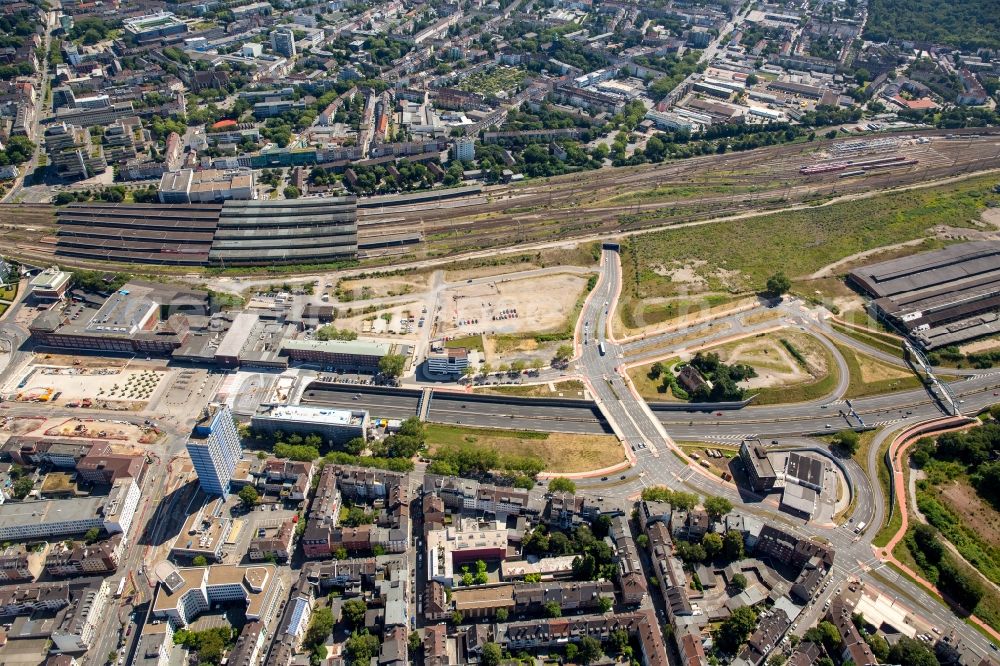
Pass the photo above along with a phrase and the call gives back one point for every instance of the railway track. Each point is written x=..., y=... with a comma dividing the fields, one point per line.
x=574, y=205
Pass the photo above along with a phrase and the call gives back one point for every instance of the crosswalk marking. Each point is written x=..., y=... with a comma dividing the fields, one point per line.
x=739, y=437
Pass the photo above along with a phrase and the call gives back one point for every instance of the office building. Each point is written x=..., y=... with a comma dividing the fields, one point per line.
x=87, y=117
x=72, y=152
x=283, y=42
x=50, y=284
x=154, y=26
x=20, y=521
x=214, y=447
x=759, y=470
x=336, y=425
x=448, y=361
x=185, y=593
x=205, y=533
x=129, y=320
x=357, y=355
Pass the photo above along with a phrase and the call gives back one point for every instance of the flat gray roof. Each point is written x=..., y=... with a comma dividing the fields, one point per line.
x=799, y=498
x=50, y=511
x=929, y=269
x=357, y=347
x=238, y=334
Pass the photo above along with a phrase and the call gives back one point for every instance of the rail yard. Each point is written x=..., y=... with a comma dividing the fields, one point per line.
x=611, y=201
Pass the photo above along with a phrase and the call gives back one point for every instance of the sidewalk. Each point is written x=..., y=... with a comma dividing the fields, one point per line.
x=897, y=452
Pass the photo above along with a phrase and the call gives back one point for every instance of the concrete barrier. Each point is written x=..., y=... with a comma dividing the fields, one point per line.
x=699, y=406
x=364, y=388
x=573, y=403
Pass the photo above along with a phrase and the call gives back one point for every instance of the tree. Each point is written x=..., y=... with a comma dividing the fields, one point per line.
x=502, y=615
x=961, y=586
x=618, y=641
x=211, y=647
x=320, y=627
x=457, y=618
x=481, y=576
x=848, y=440
x=331, y=332
x=553, y=609
x=492, y=654
x=911, y=652
x=414, y=642
x=357, y=516
x=778, y=285
x=717, y=507
x=22, y=487
x=732, y=545
x=590, y=650
x=826, y=634
x=712, y=543
x=572, y=651
x=353, y=612
x=92, y=535
x=561, y=484
x=879, y=646
x=392, y=365
x=355, y=446
x=735, y=629
x=564, y=352
x=362, y=647
x=605, y=604
x=690, y=552
x=291, y=192
x=584, y=567
x=199, y=561
x=739, y=582
x=248, y=496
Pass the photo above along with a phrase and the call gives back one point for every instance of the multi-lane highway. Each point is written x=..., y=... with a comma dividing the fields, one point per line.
x=600, y=362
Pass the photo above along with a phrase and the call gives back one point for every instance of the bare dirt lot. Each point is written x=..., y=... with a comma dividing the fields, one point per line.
x=379, y=287
x=978, y=515
x=122, y=435
x=121, y=432
x=511, y=306
x=986, y=344
x=20, y=425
